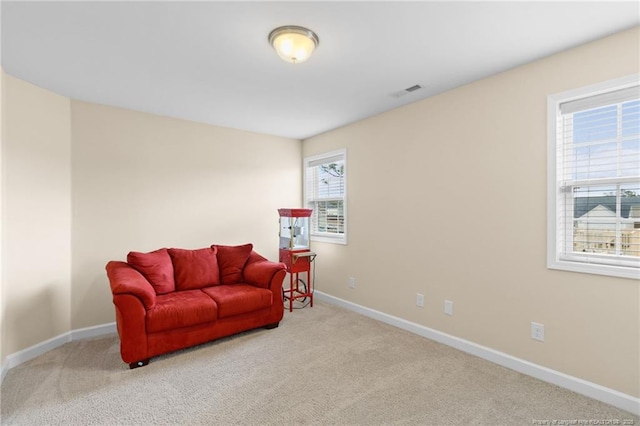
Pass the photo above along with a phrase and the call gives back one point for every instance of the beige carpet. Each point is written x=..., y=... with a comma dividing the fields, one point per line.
x=323, y=365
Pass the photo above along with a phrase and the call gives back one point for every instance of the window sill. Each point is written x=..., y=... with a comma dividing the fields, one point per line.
x=326, y=239
x=607, y=270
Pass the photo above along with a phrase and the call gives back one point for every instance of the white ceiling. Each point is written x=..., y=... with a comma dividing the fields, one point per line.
x=211, y=62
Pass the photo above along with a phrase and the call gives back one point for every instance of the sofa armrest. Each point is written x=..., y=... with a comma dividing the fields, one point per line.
x=261, y=272
x=124, y=279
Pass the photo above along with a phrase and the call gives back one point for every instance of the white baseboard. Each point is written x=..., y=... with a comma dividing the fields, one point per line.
x=4, y=369
x=95, y=331
x=38, y=349
x=575, y=384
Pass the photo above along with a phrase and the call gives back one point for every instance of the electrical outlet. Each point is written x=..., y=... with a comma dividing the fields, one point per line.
x=448, y=307
x=537, y=331
x=352, y=282
x=420, y=300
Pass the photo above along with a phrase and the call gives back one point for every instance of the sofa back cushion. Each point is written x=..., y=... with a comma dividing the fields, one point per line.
x=156, y=267
x=232, y=260
x=195, y=269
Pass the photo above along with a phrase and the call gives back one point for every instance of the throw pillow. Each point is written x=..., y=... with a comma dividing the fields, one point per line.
x=156, y=267
x=195, y=268
x=232, y=260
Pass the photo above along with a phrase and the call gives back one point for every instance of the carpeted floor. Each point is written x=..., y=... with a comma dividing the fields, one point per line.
x=323, y=365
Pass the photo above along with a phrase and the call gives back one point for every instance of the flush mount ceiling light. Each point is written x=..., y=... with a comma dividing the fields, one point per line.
x=293, y=44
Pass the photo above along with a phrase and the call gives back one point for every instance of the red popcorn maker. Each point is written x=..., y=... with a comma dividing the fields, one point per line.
x=295, y=254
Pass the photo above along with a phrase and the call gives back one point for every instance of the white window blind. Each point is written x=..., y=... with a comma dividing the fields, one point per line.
x=597, y=181
x=325, y=194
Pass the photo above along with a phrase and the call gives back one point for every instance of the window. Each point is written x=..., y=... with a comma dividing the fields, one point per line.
x=325, y=193
x=594, y=179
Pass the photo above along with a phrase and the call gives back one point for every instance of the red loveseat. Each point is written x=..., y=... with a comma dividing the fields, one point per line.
x=171, y=299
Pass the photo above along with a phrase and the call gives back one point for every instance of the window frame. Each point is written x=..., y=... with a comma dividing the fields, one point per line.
x=556, y=259
x=315, y=235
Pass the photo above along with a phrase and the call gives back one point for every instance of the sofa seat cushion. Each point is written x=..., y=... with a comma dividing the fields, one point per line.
x=181, y=309
x=235, y=299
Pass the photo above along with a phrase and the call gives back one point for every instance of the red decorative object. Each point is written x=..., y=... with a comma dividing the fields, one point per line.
x=295, y=212
x=295, y=254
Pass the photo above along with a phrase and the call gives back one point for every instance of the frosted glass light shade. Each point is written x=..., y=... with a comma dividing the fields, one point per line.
x=293, y=44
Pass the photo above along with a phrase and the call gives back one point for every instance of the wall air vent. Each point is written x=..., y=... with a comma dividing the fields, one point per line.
x=406, y=91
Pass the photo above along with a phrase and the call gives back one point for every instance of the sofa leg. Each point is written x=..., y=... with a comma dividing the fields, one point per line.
x=137, y=364
x=272, y=326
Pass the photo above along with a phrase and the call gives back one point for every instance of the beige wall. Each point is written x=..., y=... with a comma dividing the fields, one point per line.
x=83, y=184
x=36, y=215
x=447, y=197
x=141, y=182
